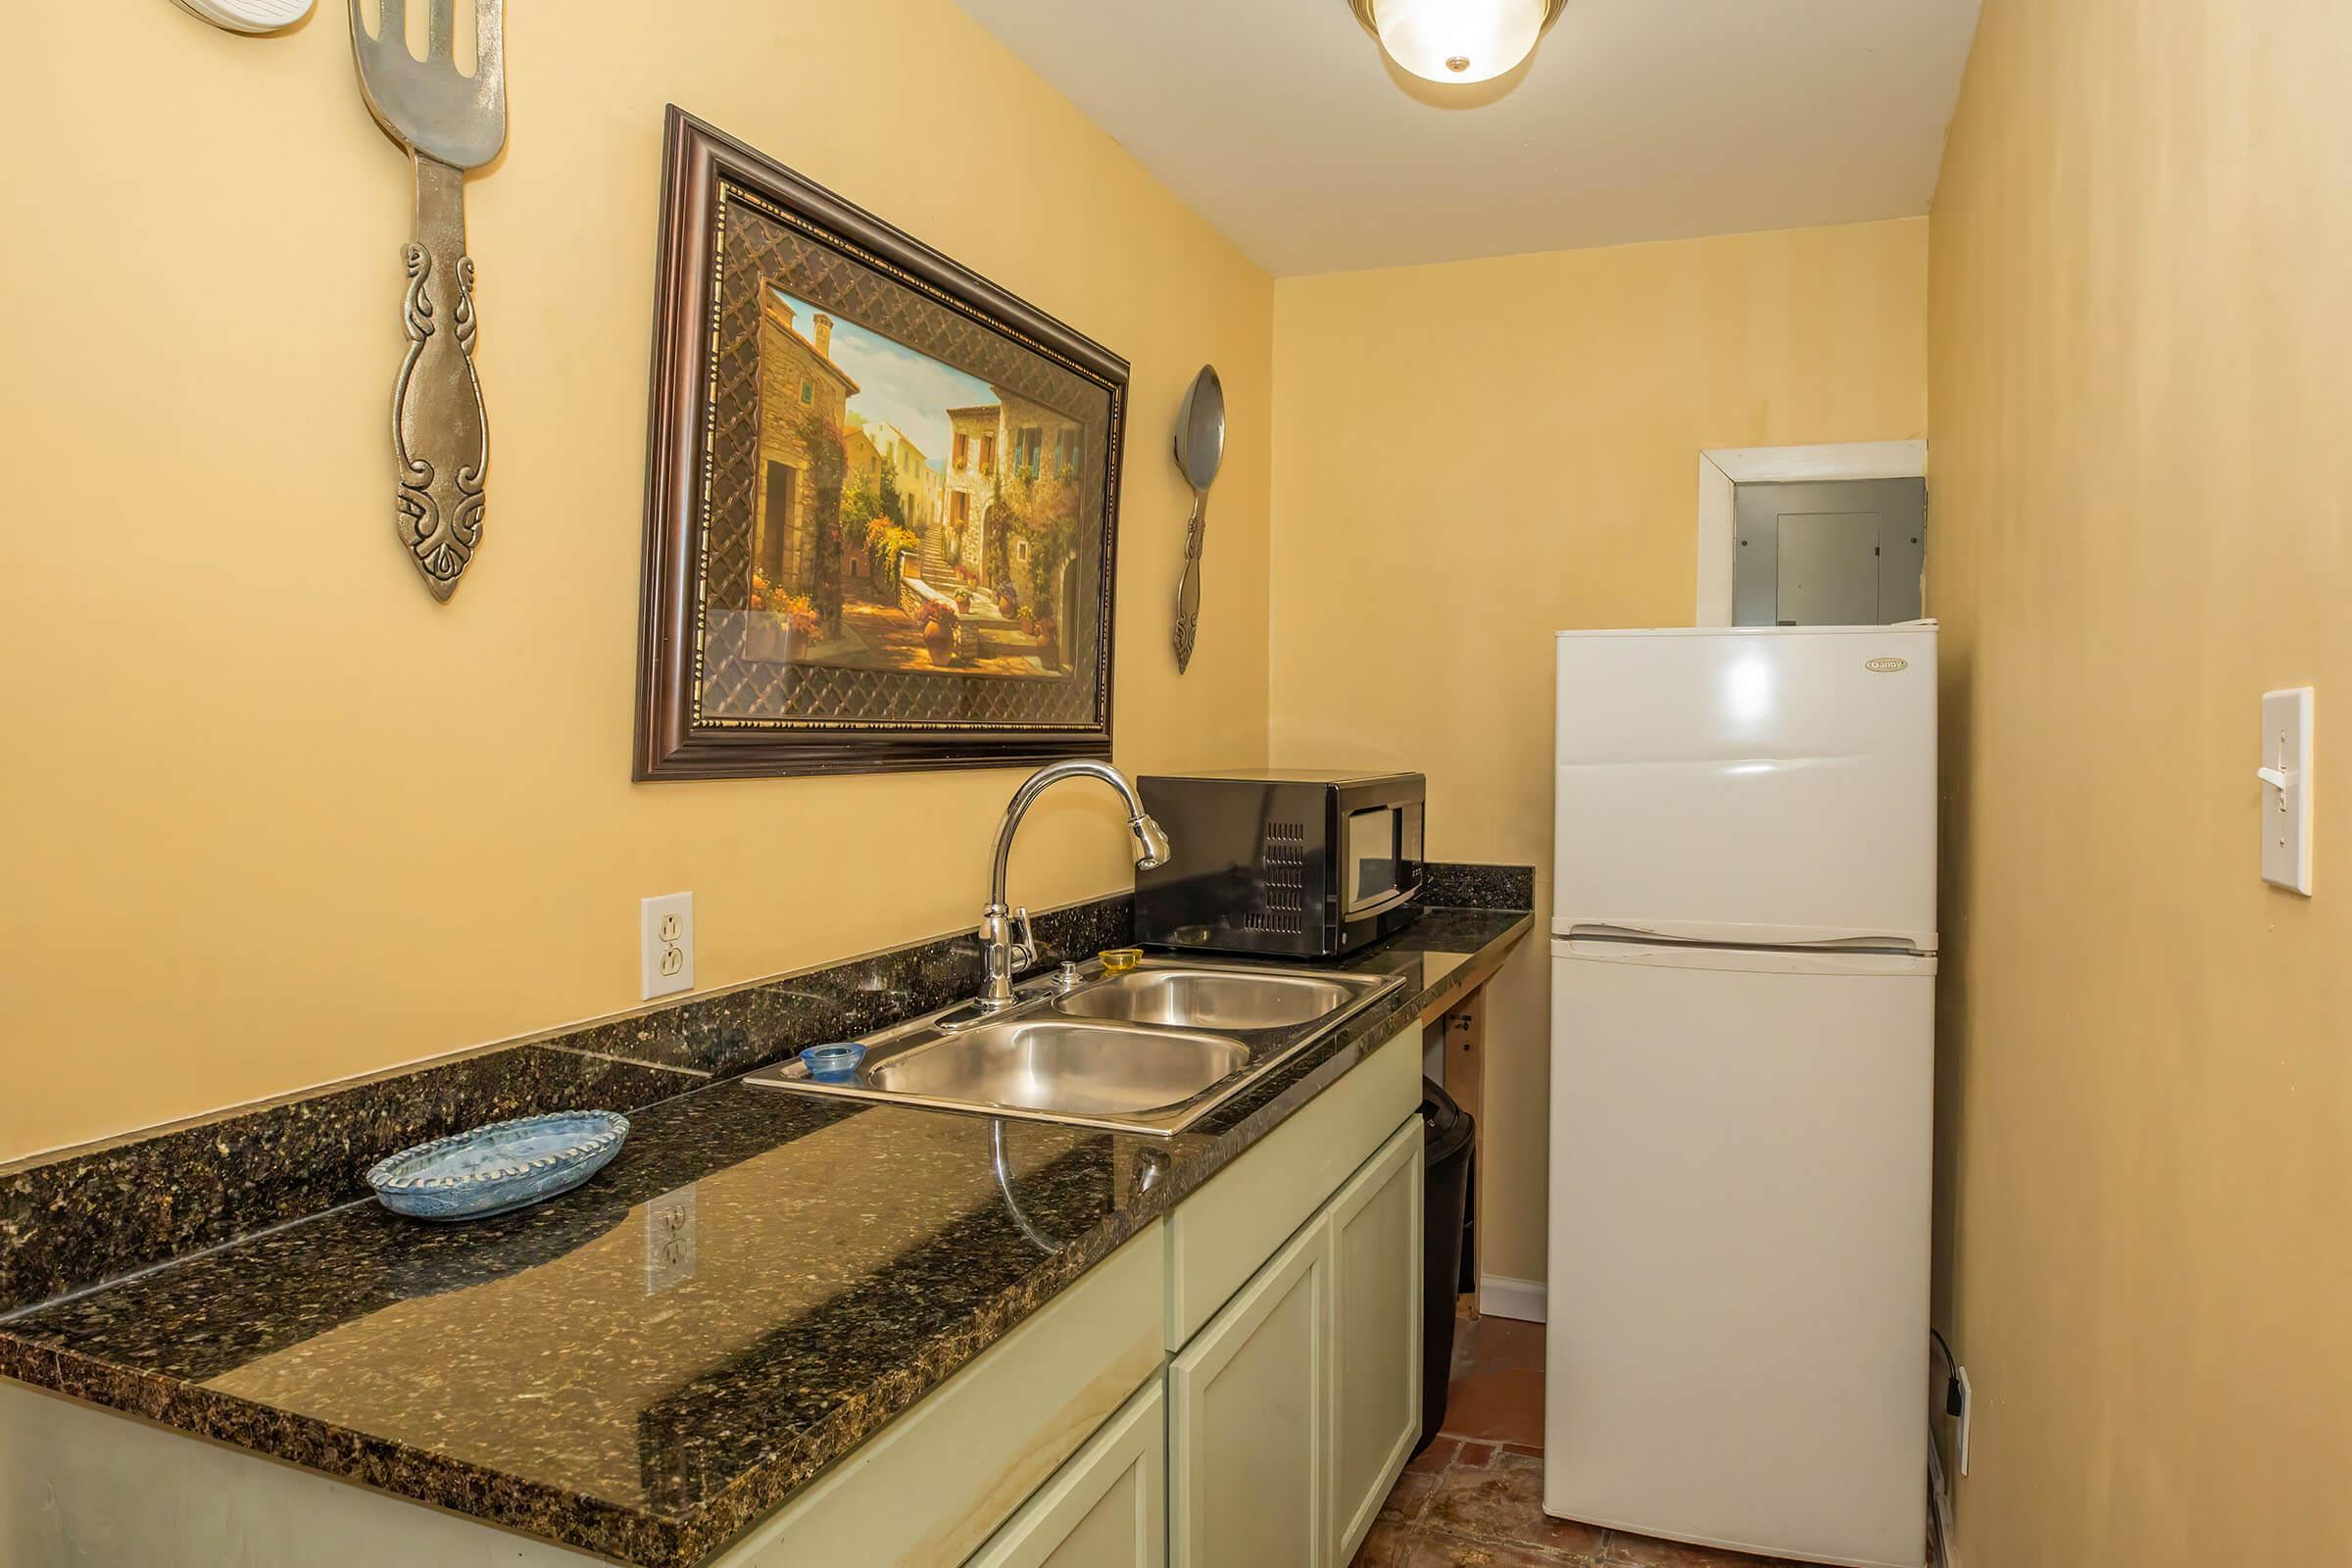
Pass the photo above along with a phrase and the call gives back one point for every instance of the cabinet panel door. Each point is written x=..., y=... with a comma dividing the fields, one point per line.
x=1106, y=1509
x=1222, y=1235
x=1374, y=1229
x=1249, y=1404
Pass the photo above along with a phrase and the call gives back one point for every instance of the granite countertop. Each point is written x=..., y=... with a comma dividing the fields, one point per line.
x=644, y=1367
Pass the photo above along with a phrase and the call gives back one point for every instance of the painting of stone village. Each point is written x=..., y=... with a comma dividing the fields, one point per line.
x=908, y=515
x=882, y=494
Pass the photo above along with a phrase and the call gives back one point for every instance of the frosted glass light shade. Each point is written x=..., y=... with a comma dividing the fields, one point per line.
x=1458, y=40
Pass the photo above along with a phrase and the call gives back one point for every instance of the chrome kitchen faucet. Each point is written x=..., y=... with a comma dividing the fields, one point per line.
x=1002, y=958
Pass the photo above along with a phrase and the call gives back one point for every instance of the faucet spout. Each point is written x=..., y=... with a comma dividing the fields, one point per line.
x=1001, y=956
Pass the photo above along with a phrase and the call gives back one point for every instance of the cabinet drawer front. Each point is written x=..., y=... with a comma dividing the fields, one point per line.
x=932, y=1486
x=1247, y=1413
x=1375, y=1229
x=1224, y=1233
x=1106, y=1509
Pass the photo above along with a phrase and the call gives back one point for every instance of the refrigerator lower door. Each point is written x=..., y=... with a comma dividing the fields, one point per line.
x=1740, y=1152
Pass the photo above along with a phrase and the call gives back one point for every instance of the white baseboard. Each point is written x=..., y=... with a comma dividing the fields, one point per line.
x=1939, y=1500
x=1502, y=1296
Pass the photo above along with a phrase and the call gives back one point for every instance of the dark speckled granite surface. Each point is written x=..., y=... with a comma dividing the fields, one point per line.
x=753, y=1287
x=1462, y=885
x=72, y=1221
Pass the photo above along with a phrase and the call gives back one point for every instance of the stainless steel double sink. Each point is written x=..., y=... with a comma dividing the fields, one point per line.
x=1149, y=1050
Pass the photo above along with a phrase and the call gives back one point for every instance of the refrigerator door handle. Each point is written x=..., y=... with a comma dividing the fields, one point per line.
x=1609, y=931
x=1731, y=958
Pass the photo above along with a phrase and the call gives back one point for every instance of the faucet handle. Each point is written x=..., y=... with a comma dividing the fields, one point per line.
x=1024, y=951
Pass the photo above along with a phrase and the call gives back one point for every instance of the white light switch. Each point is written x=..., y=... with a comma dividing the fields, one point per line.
x=2285, y=774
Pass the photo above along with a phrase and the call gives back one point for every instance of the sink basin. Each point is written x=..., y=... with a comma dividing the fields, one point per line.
x=1209, y=998
x=1151, y=1051
x=1052, y=1064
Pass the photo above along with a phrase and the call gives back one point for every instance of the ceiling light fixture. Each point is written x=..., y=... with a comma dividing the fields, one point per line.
x=1457, y=40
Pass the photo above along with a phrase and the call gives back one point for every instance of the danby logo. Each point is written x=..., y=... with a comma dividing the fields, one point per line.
x=1886, y=666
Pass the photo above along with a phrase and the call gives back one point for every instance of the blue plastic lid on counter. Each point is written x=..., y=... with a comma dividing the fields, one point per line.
x=835, y=1064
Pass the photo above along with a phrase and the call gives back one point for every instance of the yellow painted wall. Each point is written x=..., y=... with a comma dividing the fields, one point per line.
x=274, y=815
x=2139, y=382
x=1472, y=456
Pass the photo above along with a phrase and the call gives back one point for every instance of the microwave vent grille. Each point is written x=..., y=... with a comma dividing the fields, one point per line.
x=1281, y=862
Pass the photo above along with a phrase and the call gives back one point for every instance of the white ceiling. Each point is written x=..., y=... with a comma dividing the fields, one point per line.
x=1281, y=123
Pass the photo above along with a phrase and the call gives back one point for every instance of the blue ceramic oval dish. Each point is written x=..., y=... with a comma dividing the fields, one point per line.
x=498, y=1168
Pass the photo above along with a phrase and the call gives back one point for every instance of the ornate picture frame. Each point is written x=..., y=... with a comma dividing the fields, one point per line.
x=882, y=494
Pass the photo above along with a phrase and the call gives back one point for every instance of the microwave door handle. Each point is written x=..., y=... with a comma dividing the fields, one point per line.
x=1390, y=901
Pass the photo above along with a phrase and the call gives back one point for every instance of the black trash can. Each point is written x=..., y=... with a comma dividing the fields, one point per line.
x=1444, y=1205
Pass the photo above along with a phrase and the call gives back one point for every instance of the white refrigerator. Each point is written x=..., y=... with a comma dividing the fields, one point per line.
x=1742, y=1068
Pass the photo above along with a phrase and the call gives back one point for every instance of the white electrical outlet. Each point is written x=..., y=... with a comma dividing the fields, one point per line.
x=665, y=930
x=1968, y=1412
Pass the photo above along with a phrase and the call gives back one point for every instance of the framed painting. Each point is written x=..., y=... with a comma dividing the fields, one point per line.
x=882, y=495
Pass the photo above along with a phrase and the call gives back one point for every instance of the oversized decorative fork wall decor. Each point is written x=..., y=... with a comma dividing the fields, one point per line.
x=448, y=122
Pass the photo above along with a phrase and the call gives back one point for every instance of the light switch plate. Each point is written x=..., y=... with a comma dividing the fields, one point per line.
x=2286, y=773
x=665, y=944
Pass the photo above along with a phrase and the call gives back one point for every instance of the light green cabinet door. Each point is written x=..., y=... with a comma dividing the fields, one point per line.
x=1373, y=1228
x=1249, y=1411
x=1107, y=1508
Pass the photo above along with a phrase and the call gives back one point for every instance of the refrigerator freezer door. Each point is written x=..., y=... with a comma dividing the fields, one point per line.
x=1738, y=1309
x=1761, y=785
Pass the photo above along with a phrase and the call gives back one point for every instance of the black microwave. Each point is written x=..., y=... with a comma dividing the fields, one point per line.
x=1297, y=864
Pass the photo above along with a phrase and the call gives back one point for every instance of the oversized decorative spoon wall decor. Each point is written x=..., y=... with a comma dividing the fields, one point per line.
x=1200, y=447
x=449, y=123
